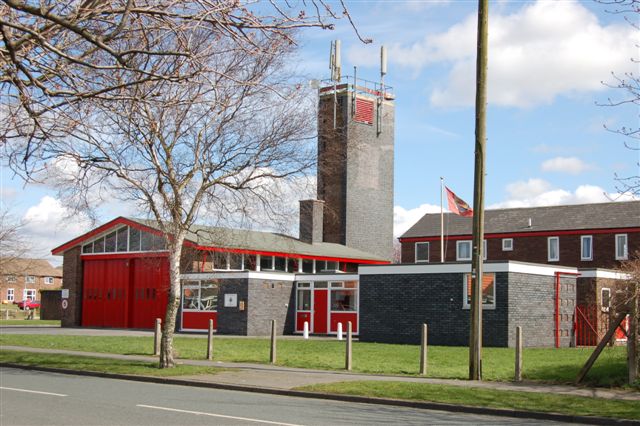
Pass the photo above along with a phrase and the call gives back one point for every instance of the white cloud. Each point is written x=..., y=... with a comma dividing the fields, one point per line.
x=543, y=50
x=47, y=225
x=403, y=219
x=537, y=192
x=571, y=165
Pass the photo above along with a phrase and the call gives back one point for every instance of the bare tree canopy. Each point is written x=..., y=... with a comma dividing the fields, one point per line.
x=628, y=94
x=13, y=245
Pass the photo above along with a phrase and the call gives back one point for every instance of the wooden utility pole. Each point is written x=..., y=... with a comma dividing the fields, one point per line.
x=475, y=335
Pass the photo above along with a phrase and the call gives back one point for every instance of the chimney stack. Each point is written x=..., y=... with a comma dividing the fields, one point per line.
x=311, y=217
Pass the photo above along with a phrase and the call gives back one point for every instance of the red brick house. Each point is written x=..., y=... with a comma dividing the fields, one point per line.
x=583, y=236
x=23, y=279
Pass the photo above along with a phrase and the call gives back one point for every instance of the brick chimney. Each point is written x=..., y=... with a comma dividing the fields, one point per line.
x=311, y=218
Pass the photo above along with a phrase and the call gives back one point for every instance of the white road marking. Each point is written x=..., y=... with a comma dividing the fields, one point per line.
x=32, y=391
x=200, y=413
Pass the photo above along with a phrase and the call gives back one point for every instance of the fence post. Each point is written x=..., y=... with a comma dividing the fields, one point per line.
x=348, y=357
x=210, y=341
x=518, y=375
x=423, y=351
x=272, y=355
x=156, y=337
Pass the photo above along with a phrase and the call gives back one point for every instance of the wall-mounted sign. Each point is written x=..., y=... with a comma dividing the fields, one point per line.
x=65, y=293
x=65, y=303
x=230, y=300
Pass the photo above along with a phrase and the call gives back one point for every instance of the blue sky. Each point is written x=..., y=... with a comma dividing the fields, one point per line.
x=546, y=141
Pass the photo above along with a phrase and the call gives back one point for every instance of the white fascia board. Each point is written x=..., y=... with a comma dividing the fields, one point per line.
x=239, y=275
x=326, y=277
x=603, y=273
x=448, y=268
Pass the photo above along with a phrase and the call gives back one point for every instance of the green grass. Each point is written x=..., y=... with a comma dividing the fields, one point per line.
x=83, y=363
x=548, y=365
x=480, y=397
x=29, y=322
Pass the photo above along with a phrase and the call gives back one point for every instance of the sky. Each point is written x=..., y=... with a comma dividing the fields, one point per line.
x=549, y=62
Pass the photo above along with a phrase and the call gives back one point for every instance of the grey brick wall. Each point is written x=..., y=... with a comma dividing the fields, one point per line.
x=269, y=300
x=394, y=307
x=233, y=320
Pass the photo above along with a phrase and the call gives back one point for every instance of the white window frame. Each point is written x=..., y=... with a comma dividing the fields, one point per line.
x=602, y=290
x=465, y=291
x=625, y=247
x=12, y=278
x=484, y=249
x=11, y=294
x=416, y=252
x=48, y=280
x=507, y=244
x=458, y=244
x=583, y=255
x=549, y=242
x=30, y=279
x=27, y=291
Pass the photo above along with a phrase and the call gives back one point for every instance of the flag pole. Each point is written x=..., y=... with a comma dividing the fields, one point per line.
x=441, y=220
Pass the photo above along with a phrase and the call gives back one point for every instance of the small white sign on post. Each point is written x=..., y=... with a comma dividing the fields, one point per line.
x=230, y=300
x=65, y=293
x=65, y=303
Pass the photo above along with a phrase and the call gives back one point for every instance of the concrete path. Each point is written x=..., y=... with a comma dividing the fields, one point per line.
x=284, y=378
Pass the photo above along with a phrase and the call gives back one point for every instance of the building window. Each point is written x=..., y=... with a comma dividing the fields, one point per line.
x=586, y=247
x=422, y=252
x=303, y=297
x=553, y=249
x=48, y=280
x=199, y=296
x=463, y=250
x=11, y=278
x=488, y=291
x=605, y=299
x=11, y=295
x=344, y=300
x=29, y=293
x=307, y=266
x=266, y=263
x=236, y=261
x=507, y=244
x=30, y=279
x=622, y=251
x=484, y=250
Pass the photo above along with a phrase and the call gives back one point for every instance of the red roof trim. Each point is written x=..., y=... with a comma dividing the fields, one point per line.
x=124, y=255
x=117, y=221
x=294, y=255
x=525, y=234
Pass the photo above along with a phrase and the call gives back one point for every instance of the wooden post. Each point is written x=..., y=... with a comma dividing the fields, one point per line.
x=632, y=337
x=156, y=337
x=210, y=341
x=475, y=335
x=348, y=358
x=518, y=375
x=423, y=351
x=272, y=355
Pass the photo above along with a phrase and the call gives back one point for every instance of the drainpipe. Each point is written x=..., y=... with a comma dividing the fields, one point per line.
x=559, y=274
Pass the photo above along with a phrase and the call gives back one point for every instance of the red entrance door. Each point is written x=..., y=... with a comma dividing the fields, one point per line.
x=149, y=288
x=320, y=311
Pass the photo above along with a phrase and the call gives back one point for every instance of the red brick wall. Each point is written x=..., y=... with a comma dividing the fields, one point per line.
x=72, y=273
x=534, y=249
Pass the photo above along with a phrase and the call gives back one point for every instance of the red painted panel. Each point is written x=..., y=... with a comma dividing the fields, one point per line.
x=301, y=317
x=199, y=320
x=105, y=293
x=364, y=111
x=320, y=311
x=344, y=318
x=150, y=287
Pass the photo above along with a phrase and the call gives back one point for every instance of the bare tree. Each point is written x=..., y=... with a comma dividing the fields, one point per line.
x=180, y=106
x=628, y=300
x=628, y=85
x=13, y=245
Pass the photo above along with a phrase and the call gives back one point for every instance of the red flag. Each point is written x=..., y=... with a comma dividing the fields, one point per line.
x=457, y=205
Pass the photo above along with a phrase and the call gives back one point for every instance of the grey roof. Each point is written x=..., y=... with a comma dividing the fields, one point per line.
x=551, y=218
x=242, y=239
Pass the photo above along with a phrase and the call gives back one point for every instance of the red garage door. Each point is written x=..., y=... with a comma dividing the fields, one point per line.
x=124, y=293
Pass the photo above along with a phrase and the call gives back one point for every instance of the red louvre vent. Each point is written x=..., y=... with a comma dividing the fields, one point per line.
x=364, y=111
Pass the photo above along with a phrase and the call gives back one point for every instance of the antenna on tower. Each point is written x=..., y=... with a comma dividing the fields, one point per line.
x=335, y=61
x=381, y=96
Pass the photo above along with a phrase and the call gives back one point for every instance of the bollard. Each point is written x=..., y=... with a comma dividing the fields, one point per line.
x=423, y=351
x=156, y=337
x=518, y=375
x=272, y=355
x=210, y=341
x=348, y=358
x=305, y=331
x=339, y=331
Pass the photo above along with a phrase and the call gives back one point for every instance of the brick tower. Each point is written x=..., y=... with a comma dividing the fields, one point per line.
x=355, y=164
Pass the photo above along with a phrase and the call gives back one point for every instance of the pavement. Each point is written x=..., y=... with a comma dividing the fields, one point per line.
x=284, y=380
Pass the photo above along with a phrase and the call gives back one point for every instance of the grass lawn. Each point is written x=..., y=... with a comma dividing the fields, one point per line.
x=529, y=401
x=83, y=363
x=30, y=322
x=550, y=365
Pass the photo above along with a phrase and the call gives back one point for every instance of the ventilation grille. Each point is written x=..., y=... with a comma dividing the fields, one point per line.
x=364, y=111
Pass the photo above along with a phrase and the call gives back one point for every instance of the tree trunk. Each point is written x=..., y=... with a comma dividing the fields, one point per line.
x=168, y=327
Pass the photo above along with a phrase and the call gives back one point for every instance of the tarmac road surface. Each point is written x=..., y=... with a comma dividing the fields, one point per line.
x=42, y=398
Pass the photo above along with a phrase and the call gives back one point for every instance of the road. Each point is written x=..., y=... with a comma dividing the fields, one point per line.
x=41, y=398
